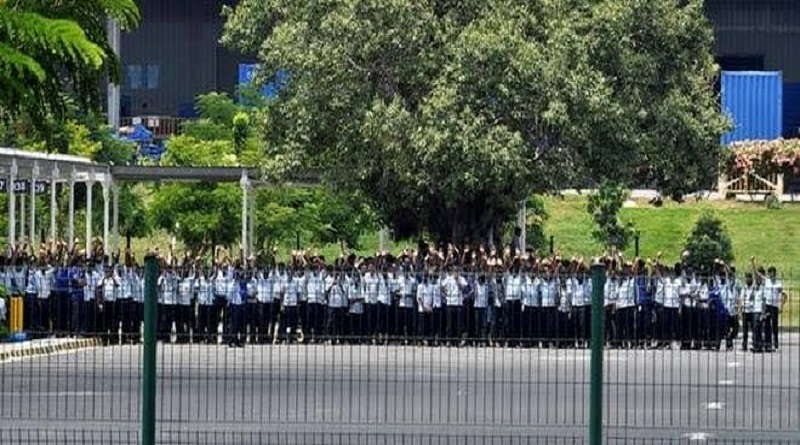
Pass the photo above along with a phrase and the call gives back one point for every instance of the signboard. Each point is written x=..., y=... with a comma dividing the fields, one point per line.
x=21, y=186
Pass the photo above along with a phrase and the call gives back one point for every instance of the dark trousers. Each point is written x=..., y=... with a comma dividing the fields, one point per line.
x=184, y=316
x=405, y=322
x=611, y=324
x=644, y=323
x=497, y=323
x=110, y=322
x=166, y=316
x=336, y=322
x=40, y=317
x=356, y=328
x=316, y=320
x=454, y=322
x=382, y=320
x=731, y=330
x=513, y=322
x=206, y=323
x=626, y=322
x=564, y=330
x=370, y=319
x=548, y=323
x=127, y=319
x=754, y=324
x=289, y=320
x=235, y=333
x=481, y=324
x=29, y=312
x=62, y=312
x=772, y=327
x=425, y=325
x=84, y=317
x=667, y=324
x=528, y=322
x=581, y=321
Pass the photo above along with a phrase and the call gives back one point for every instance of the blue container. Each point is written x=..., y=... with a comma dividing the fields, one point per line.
x=791, y=110
x=754, y=102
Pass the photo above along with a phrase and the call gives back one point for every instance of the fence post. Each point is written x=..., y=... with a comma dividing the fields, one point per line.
x=552, y=244
x=149, y=351
x=636, y=245
x=598, y=325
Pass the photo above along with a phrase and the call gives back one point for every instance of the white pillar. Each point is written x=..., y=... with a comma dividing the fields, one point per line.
x=113, y=89
x=88, y=241
x=106, y=217
x=32, y=224
x=71, y=212
x=53, y=207
x=12, y=206
x=22, y=216
x=115, y=205
x=251, y=223
x=522, y=218
x=245, y=184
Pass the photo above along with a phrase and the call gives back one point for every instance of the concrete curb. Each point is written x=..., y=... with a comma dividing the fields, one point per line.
x=35, y=350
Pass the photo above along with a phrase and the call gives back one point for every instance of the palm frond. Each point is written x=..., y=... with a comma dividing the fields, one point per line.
x=15, y=64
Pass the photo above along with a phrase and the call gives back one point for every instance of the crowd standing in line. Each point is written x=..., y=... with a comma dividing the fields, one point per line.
x=427, y=296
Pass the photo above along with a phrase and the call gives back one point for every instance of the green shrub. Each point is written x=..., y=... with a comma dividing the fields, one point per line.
x=773, y=202
x=604, y=206
x=708, y=241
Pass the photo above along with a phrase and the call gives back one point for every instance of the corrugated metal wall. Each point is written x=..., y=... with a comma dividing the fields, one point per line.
x=754, y=101
x=791, y=110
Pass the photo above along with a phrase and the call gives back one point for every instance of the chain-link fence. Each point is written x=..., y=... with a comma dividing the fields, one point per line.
x=452, y=357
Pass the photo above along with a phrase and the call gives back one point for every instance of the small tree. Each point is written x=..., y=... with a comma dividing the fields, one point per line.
x=708, y=241
x=604, y=207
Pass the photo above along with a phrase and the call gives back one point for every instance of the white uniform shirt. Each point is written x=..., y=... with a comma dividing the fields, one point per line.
x=481, y=295
x=548, y=291
x=626, y=293
x=46, y=282
x=452, y=290
x=513, y=287
x=772, y=292
x=185, y=291
x=93, y=279
x=110, y=287
x=610, y=292
x=384, y=291
x=370, y=283
x=729, y=293
x=315, y=288
x=671, y=289
x=406, y=285
x=355, y=296
x=336, y=293
x=169, y=289
x=753, y=300
x=205, y=294
x=530, y=291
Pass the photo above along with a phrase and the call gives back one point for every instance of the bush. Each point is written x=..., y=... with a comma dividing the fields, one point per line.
x=604, y=207
x=708, y=241
x=773, y=202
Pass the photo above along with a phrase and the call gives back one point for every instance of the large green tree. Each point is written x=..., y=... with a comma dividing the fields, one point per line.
x=54, y=56
x=447, y=114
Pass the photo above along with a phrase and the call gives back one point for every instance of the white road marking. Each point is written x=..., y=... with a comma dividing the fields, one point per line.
x=726, y=382
x=734, y=364
x=698, y=437
x=714, y=405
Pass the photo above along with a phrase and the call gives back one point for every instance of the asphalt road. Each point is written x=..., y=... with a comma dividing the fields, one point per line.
x=395, y=394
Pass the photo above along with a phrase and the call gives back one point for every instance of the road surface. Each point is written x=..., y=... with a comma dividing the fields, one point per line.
x=401, y=394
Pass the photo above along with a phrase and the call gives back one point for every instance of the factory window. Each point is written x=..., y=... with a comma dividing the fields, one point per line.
x=143, y=76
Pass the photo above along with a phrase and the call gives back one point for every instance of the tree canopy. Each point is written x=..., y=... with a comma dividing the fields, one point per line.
x=447, y=114
x=54, y=54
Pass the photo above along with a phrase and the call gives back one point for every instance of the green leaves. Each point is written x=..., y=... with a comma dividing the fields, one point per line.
x=604, y=206
x=446, y=114
x=709, y=241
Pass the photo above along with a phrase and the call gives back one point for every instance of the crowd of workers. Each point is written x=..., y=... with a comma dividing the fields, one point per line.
x=430, y=296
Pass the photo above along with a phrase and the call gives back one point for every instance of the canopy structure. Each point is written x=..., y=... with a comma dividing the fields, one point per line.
x=27, y=173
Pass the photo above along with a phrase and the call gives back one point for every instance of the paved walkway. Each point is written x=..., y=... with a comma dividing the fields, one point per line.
x=43, y=346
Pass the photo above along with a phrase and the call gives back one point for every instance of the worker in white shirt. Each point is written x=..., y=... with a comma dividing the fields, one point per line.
x=529, y=318
x=730, y=292
x=337, y=306
x=316, y=307
x=370, y=282
x=168, y=296
x=406, y=289
x=183, y=307
x=626, y=309
x=775, y=299
x=355, y=315
x=752, y=312
x=109, y=287
x=453, y=287
x=480, y=309
x=206, y=331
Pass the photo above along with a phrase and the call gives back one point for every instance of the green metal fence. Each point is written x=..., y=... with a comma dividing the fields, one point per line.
x=194, y=389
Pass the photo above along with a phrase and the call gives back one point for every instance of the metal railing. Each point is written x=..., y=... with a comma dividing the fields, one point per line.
x=524, y=379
